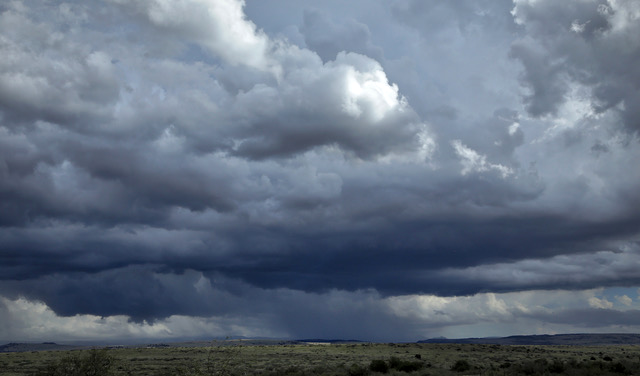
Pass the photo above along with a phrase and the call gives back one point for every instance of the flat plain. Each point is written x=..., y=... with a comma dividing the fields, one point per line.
x=237, y=357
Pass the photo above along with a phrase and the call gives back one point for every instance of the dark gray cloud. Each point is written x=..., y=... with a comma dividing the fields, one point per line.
x=221, y=159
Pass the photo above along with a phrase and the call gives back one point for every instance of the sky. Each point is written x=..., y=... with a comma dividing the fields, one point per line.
x=375, y=170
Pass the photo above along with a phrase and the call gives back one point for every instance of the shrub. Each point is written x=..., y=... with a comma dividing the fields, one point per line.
x=461, y=366
x=394, y=362
x=379, y=365
x=619, y=368
x=556, y=367
x=536, y=367
x=404, y=365
x=409, y=366
x=358, y=370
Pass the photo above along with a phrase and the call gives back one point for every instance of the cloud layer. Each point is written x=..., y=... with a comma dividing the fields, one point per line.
x=240, y=169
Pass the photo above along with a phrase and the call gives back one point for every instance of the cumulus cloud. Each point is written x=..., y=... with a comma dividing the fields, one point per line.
x=166, y=166
x=347, y=102
x=219, y=26
x=587, y=43
x=472, y=161
x=624, y=299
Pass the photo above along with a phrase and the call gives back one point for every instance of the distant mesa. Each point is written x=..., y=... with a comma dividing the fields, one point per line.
x=546, y=339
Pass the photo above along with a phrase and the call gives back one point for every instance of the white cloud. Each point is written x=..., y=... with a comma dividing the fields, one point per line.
x=624, y=299
x=368, y=91
x=220, y=26
x=599, y=302
x=27, y=320
x=452, y=310
x=31, y=321
x=472, y=161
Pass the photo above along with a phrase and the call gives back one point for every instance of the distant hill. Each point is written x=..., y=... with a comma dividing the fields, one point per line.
x=558, y=339
x=51, y=346
x=45, y=346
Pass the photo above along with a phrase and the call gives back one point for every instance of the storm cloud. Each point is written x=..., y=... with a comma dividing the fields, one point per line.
x=303, y=169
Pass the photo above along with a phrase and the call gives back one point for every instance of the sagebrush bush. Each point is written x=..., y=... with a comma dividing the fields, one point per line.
x=94, y=363
x=395, y=363
x=379, y=365
x=358, y=370
x=461, y=366
x=556, y=366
